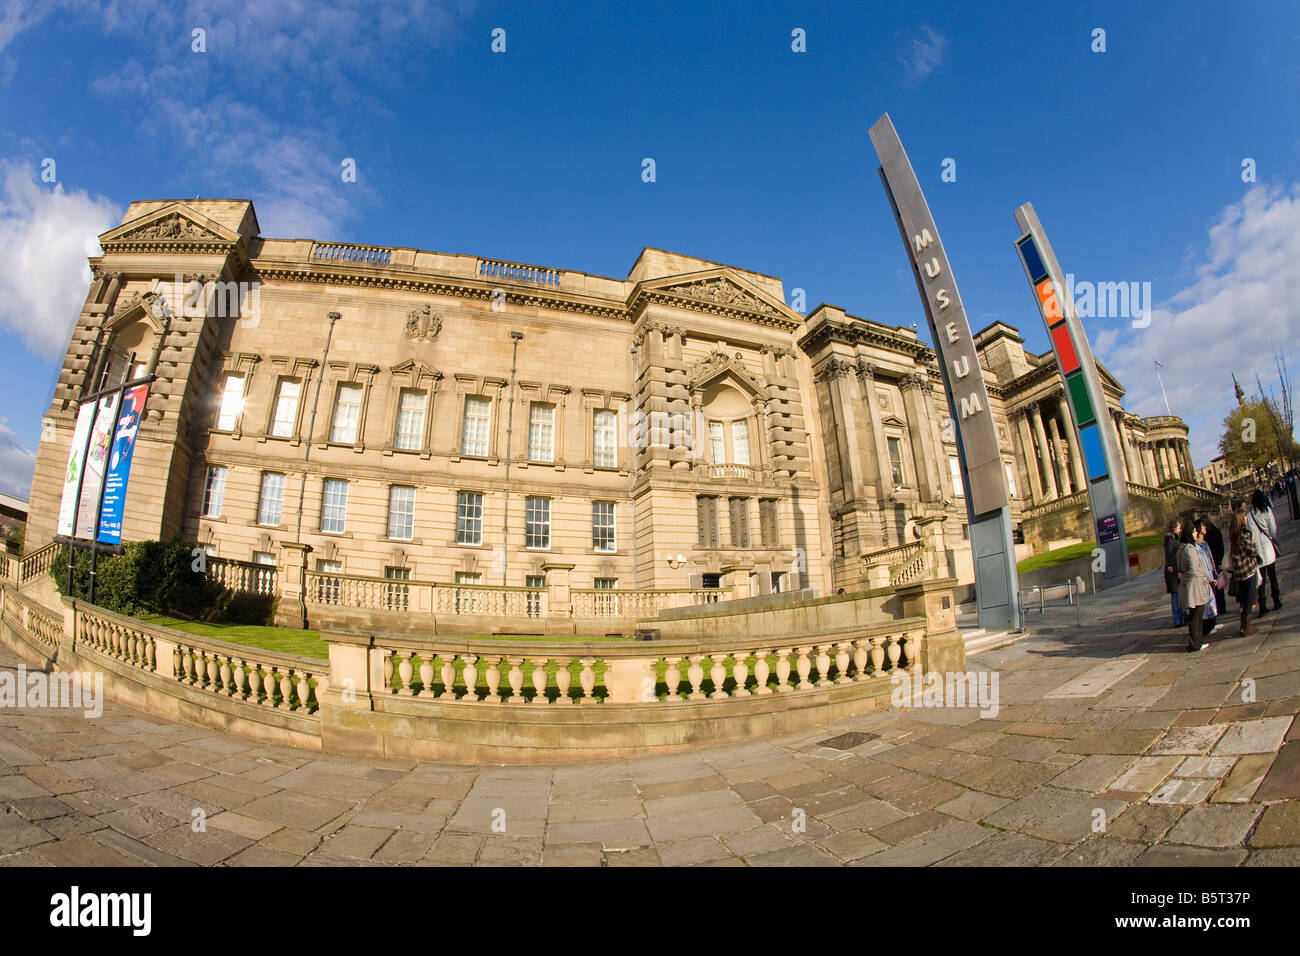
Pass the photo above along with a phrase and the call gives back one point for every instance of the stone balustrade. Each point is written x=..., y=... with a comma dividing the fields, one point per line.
x=243, y=576
x=518, y=272
x=635, y=604
x=346, y=252
x=734, y=472
x=8, y=568
x=37, y=563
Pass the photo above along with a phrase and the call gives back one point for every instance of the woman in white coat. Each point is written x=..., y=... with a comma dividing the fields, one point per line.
x=1263, y=525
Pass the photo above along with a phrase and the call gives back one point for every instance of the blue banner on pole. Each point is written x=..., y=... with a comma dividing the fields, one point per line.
x=119, y=466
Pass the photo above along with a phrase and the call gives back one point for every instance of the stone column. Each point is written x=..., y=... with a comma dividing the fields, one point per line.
x=1190, y=473
x=1126, y=453
x=1076, y=453
x=1149, y=456
x=1034, y=486
x=838, y=375
x=1044, y=455
x=867, y=385
x=1058, y=453
x=915, y=397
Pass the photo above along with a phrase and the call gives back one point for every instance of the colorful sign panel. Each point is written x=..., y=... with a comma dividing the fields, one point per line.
x=119, y=464
x=1098, y=446
x=72, y=474
x=92, y=483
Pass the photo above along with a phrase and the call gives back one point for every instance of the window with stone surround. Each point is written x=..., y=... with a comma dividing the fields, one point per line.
x=537, y=522
x=287, y=394
x=738, y=509
x=410, y=420
x=469, y=517
x=740, y=441
x=232, y=402
x=954, y=470
x=474, y=430
x=706, y=510
x=541, y=432
x=769, y=523
x=896, y=461
x=270, y=501
x=214, y=491
x=347, y=414
x=334, y=506
x=401, y=512
x=602, y=525
x=605, y=439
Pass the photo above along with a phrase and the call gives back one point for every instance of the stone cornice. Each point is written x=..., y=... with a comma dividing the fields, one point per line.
x=827, y=332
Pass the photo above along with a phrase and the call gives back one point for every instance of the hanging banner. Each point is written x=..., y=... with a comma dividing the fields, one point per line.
x=92, y=485
x=68, y=503
x=119, y=465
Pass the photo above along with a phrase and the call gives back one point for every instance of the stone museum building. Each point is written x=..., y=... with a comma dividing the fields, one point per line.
x=421, y=416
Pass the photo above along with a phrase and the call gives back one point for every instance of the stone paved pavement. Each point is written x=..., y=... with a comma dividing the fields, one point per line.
x=1156, y=744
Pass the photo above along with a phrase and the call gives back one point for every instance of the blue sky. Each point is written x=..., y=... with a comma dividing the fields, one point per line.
x=1132, y=156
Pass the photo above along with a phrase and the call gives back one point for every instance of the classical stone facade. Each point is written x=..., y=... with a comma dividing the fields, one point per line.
x=681, y=427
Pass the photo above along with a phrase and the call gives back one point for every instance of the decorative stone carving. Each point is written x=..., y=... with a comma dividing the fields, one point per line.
x=721, y=292
x=865, y=369
x=715, y=359
x=423, y=325
x=173, y=226
x=882, y=399
x=912, y=380
x=836, y=368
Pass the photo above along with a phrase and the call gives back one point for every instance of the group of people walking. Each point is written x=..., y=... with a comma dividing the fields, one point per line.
x=1199, y=580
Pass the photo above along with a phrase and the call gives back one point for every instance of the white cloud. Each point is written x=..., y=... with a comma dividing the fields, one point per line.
x=1240, y=309
x=16, y=464
x=923, y=56
x=46, y=233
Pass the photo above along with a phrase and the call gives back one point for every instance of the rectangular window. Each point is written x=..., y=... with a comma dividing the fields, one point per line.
x=469, y=517
x=467, y=599
x=334, y=506
x=602, y=525
x=264, y=558
x=474, y=432
x=347, y=413
x=769, y=523
x=214, y=491
x=1011, y=477
x=954, y=468
x=268, y=506
x=740, y=442
x=410, y=421
x=286, y=407
x=706, y=510
x=739, y=516
x=606, y=604
x=397, y=597
x=537, y=583
x=327, y=586
x=537, y=522
x=604, y=440
x=896, y=460
x=717, y=444
x=778, y=582
x=401, y=512
x=541, y=432
x=232, y=403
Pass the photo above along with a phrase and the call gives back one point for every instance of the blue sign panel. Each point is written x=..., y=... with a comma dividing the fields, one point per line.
x=1093, y=455
x=119, y=465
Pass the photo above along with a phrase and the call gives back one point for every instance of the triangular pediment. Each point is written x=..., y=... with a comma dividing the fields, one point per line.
x=893, y=420
x=147, y=307
x=721, y=290
x=718, y=364
x=174, y=222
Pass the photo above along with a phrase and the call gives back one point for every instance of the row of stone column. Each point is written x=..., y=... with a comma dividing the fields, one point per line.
x=1153, y=462
x=1051, y=450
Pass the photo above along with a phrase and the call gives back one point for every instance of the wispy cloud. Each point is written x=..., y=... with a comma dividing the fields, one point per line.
x=16, y=463
x=46, y=233
x=1237, y=311
x=923, y=55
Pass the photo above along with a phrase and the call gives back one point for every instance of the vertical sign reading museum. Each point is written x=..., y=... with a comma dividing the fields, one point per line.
x=987, y=505
x=1107, y=493
x=119, y=465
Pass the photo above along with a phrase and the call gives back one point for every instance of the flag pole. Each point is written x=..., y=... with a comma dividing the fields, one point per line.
x=1162, y=386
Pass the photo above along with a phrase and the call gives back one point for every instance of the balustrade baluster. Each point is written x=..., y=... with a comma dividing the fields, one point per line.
x=426, y=675
x=516, y=678
x=877, y=655
x=563, y=679
x=304, y=690
x=860, y=657
x=718, y=674
x=541, y=680
x=672, y=678
x=268, y=686
x=404, y=671
x=224, y=673
x=587, y=679
x=238, y=674
x=213, y=671
x=802, y=667
x=493, y=680
x=448, y=674
x=893, y=651
x=823, y=665
x=695, y=674
x=471, y=677
x=783, y=671
x=740, y=673
x=762, y=670
x=286, y=690
x=912, y=650
x=842, y=658
x=388, y=670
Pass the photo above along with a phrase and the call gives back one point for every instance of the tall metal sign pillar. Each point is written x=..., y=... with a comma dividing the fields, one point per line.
x=1102, y=463
x=988, y=508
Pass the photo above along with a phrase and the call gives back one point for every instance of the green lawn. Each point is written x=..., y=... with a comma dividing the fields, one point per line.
x=1048, y=559
x=286, y=640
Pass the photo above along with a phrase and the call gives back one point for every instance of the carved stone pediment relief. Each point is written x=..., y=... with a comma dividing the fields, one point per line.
x=423, y=324
x=721, y=292
x=172, y=226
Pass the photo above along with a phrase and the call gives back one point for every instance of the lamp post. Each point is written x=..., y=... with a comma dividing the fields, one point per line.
x=311, y=428
x=510, y=421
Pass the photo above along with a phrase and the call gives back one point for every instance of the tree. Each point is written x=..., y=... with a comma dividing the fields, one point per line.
x=1254, y=437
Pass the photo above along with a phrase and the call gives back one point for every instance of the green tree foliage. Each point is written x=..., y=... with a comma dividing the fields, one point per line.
x=157, y=576
x=1254, y=437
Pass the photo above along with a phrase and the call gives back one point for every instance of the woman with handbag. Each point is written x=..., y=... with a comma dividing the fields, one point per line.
x=1264, y=527
x=1193, y=586
x=1245, y=568
x=1171, y=571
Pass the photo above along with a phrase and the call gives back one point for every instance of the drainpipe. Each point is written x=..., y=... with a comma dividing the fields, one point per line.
x=510, y=421
x=311, y=428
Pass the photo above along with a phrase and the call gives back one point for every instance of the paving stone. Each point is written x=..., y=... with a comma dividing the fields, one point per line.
x=293, y=809
x=1254, y=736
x=1279, y=826
x=1101, y=851
x=678, y=826
x=866, y=815
x=1240, y=784
x=1214, y=826
x=204, y=848
x=260, y=856
x=1283, y=779
x=972, y=805
x=138, y=822
x=798, y=855
x=579, y=854
x=1008, y=849
x=1092, y=773
x=86, y=850
x=1144, y=775
x=688, y=852
x=644, y=856
x=1285, y=856
x=502, y=850
x=16, y=834
x=34, y=809
x=1165, y=856
x=853, y=845
x=1183, y=792
x=53, y=780
x=760, y=839
x=249, y=827
x=457, y=849
x=617, y=833
x=1210, y=768
x=1144, y=823
x=1189, y=740
x=909, y=827
x=291, y=840
x=1008, y=778
x=930, y=847
x=1065, y=816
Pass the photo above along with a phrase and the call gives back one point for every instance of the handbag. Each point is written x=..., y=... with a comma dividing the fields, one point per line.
x=1232, y=586
x=1221, y=581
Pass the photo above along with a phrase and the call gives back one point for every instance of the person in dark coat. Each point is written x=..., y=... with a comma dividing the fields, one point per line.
x=1214, y=538
x=1172, y=544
